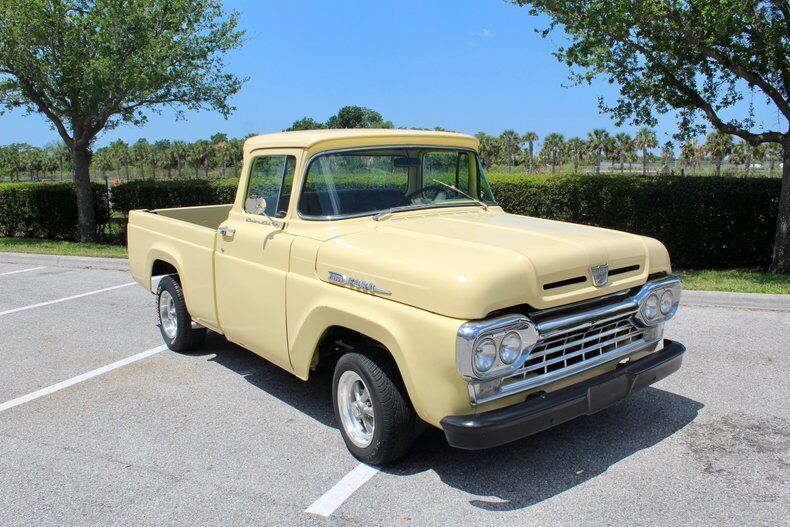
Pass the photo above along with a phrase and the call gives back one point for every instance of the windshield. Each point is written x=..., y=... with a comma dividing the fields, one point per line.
x=366, y=182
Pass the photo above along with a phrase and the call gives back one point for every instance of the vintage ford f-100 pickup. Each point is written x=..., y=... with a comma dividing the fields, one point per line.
x=382, y=255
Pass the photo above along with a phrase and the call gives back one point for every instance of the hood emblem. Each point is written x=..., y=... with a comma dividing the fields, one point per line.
x=353, y=283
x=600, y=275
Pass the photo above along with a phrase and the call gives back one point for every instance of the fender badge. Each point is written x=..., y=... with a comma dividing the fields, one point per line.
x=353, y=283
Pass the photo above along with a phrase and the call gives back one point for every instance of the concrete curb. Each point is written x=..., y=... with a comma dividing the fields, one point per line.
x=736, y=300
x=74, y=262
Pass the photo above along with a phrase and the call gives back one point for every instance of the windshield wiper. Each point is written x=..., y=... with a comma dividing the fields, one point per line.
x=461, y=192
x=415, y=206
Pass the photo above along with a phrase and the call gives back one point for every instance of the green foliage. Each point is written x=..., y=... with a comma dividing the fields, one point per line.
x=45, y=210
x=713, y=222
x=169, y=194
x=704, y=222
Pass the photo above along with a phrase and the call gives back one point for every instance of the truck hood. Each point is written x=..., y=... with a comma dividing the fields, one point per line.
x=467, y=264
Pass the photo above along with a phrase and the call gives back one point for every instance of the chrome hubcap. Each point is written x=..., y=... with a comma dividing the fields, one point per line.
x=167, y=314
x=356, y=409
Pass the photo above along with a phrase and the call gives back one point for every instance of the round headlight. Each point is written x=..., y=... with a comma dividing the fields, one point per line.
x=650, y=308
x=667, y=299
x=485, y=354
x=510, y=348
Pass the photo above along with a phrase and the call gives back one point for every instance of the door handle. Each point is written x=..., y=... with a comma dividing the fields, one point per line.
x=226, y=231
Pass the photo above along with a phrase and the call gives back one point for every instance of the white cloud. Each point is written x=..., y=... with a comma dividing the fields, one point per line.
x=485, y=33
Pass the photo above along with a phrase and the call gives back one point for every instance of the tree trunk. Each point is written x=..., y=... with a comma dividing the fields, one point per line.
x=86, y=217
x=644, y=161
x=781, y=259
x=718, y=167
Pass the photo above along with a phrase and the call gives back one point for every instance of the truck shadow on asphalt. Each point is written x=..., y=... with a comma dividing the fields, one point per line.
x=512, y=476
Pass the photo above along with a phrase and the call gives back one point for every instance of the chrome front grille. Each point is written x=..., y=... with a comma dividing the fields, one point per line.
x=572, y=351
x=571, y=348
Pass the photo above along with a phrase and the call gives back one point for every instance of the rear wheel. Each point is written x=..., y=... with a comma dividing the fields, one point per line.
x=175, y=323
x=371, y=408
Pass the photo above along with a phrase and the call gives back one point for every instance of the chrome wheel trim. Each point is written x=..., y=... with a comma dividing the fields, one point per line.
x=168, y=317
x=355, y=409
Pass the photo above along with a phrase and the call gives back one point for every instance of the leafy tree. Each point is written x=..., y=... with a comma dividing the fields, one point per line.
x=718, y=145
x=530, y=138
x=511, y=143
x=645, y=140
x=91, y=65
x=691, y=153
x=179, y=151
x=599, y=145
x=577, y=150
x=552, y=148
x=357, y=117
x=698, y=57
x=305, y=123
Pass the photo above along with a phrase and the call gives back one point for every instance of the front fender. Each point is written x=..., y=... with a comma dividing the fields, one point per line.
x=421, y=343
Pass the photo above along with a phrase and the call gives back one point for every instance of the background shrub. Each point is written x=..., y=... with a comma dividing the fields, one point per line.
x=46, y=210
x=703, y=221
x=175, y=193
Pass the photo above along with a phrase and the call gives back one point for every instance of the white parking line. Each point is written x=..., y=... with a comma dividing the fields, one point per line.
x=334, y=497
x=41, y=304
x=79, y=378
x=22, y=271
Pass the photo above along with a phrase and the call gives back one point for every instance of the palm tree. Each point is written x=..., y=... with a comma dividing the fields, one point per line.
x=511, y=144
x=530, y=138
x=141, y=154
x=489, y=149
x=773, y=153
x=645, y=139
x=221, y=149
x=552, y=149
x=667, y=151
x=718, y=145
x=623, y=147
x=691, y=153
x=179, y=151
x=577, y=149
x=599, y=144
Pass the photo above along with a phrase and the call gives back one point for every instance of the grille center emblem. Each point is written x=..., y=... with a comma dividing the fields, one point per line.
x=600, y=275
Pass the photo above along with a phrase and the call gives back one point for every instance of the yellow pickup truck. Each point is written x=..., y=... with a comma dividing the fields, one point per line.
x=383, y=255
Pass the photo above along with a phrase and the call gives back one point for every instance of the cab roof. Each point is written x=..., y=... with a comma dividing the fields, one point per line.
x=308, y=139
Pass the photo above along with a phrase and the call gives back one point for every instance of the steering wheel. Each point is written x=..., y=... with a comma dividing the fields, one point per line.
x=430, y=192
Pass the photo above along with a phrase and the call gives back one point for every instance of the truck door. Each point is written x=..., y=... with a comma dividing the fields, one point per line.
x=251, y=259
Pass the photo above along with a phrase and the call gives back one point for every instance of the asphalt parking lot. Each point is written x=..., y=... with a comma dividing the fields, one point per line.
x=223, y=437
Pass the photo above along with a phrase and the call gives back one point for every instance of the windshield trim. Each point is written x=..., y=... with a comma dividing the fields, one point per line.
x=307, y=165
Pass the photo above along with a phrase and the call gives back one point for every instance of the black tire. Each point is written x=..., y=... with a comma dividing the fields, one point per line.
x=186, y=338
x=394, y=421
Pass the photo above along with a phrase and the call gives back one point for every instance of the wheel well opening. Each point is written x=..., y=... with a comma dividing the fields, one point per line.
x=338, y=340
x=160, y=267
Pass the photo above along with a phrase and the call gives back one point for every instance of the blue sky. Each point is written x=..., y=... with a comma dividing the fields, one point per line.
x=465, y=65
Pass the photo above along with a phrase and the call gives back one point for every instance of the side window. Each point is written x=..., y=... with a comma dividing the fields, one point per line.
x=270, y=180
x=448, y=167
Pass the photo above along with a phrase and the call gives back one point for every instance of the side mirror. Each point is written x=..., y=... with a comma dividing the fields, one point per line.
x=262, y=211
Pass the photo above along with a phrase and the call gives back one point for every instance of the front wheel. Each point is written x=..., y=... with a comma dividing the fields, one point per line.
x=371, y=408
x=175, y=323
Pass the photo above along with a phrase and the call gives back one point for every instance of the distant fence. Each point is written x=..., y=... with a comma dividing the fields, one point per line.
x=704, y=222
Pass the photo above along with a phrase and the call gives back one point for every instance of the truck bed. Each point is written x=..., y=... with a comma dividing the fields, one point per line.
x=184, y=238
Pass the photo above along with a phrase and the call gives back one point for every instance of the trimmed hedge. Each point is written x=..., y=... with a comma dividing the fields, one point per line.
x=175, y=193
x=703, y=221
x=47, y=210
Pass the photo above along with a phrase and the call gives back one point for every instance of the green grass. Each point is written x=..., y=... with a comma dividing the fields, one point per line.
x=41, y=246
x=738, y=281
